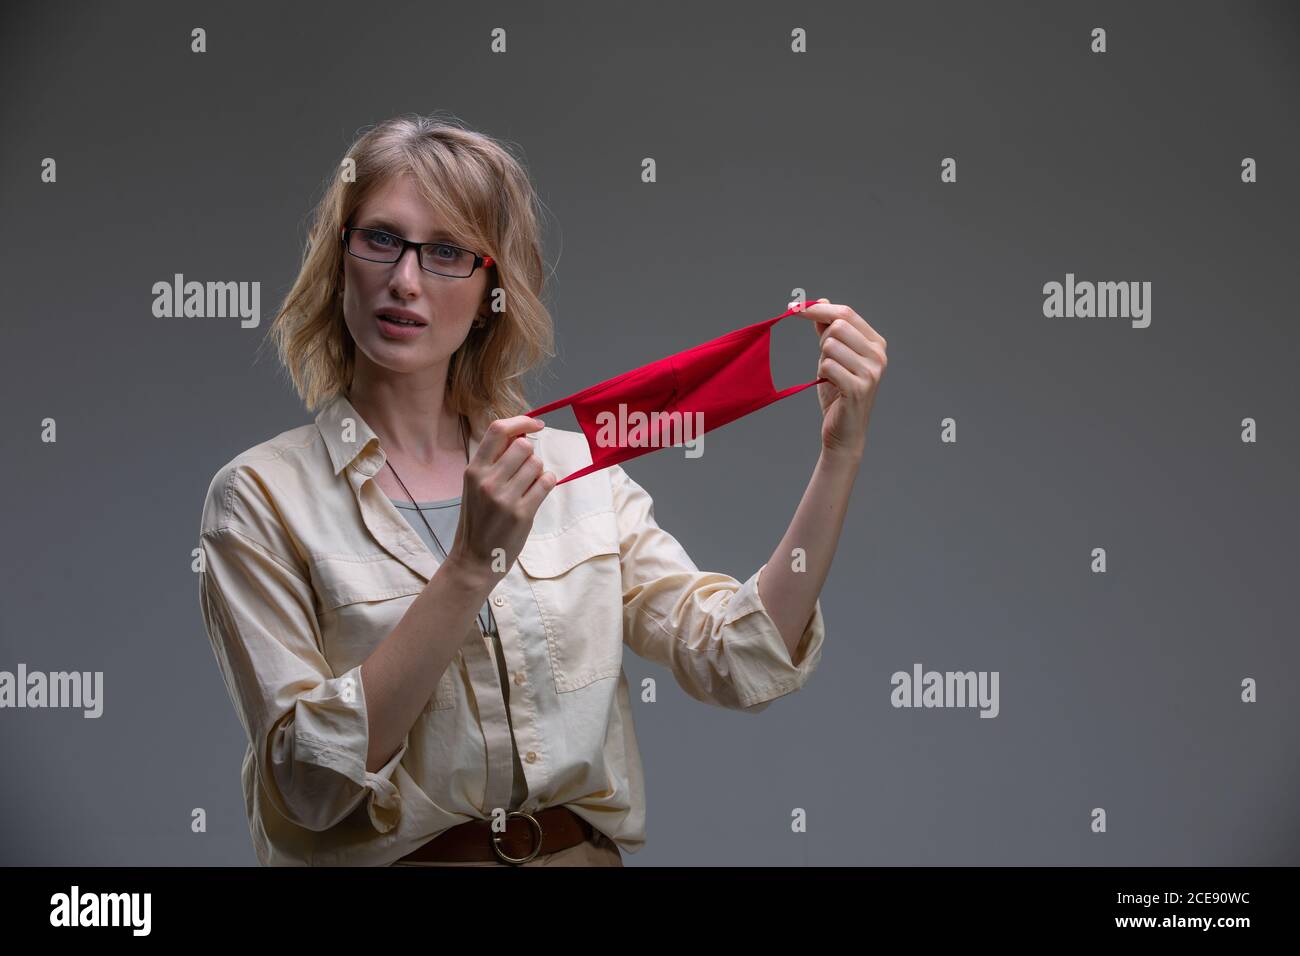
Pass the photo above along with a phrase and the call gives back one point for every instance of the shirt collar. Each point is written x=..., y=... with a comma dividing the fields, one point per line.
x=335, y=429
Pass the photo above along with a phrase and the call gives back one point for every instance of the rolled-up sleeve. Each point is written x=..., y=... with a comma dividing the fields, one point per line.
x=308, y=728
x=710, y=629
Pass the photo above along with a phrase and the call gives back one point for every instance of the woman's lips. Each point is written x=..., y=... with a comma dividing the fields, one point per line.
x=394, y=330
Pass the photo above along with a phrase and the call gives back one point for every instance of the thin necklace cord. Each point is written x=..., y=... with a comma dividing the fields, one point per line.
x=484, y=627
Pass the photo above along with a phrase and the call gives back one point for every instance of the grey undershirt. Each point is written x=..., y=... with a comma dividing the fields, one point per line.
x=444, y=516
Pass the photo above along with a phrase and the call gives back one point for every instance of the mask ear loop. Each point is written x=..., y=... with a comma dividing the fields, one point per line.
x=778, y=395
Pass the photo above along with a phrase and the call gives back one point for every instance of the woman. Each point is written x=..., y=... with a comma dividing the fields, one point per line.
x=422, y=636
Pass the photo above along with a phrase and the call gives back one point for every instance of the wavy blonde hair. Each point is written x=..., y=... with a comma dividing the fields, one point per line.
x=485, y=197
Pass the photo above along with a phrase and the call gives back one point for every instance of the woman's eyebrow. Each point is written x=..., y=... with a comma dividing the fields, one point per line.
x=381, y=223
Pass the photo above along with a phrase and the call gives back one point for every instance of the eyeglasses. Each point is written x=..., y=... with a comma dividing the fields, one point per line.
x=440, y=258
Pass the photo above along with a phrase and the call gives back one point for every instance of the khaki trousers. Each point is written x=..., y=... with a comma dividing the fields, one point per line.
x=600, y=850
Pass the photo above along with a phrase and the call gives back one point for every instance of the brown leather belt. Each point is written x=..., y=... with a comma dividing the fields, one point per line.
x=526, y=835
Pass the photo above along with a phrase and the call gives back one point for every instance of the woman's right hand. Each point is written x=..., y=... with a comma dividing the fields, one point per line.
x=504, y=486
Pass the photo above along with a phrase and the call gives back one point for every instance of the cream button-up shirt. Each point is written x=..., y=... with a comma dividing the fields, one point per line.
x=307, y=567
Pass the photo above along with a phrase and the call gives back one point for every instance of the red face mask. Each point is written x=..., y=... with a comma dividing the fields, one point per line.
x=659, y=405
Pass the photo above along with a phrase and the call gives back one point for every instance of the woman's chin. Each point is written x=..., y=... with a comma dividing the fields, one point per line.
x=401, y=358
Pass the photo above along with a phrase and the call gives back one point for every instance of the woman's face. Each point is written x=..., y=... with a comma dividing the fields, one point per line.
x=447, y=306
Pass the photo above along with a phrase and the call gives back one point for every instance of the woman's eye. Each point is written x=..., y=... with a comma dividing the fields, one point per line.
x=447, y=252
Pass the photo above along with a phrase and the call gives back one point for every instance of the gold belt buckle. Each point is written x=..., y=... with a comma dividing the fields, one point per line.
x=515, y=861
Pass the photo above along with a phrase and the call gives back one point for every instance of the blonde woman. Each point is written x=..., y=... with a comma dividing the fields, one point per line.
x=421, y=634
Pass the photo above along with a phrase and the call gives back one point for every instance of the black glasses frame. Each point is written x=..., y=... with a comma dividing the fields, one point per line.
x=479, y=261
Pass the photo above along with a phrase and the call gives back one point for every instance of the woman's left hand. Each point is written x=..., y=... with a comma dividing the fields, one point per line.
x=853, y=361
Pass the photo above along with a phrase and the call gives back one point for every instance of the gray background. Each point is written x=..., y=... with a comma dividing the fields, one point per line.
x=776, y=171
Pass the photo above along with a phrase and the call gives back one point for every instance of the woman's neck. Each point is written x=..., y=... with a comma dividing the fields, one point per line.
x=412, y=423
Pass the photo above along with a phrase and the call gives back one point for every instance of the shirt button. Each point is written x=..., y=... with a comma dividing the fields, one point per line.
x=519, y=677
x=532, y=756
x=498, y=600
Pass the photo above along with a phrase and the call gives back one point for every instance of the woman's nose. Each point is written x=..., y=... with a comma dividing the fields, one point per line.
x=406, y=270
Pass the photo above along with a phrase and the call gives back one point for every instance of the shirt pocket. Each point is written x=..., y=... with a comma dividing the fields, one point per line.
x=361, y=600
x=576, y=580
